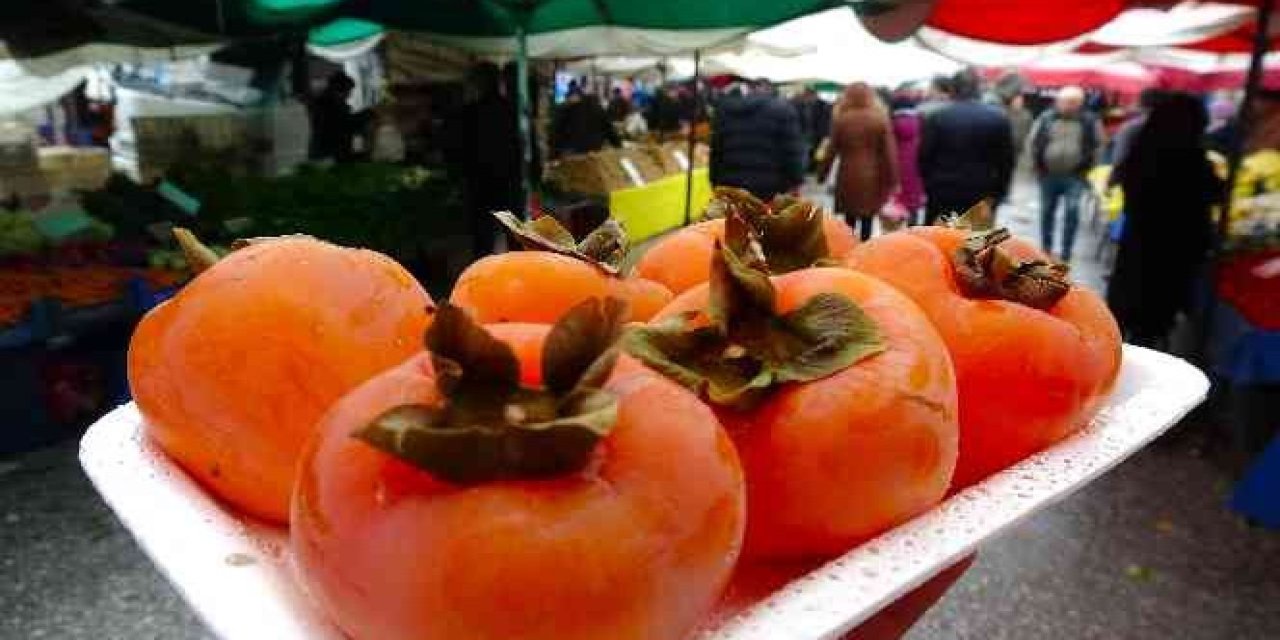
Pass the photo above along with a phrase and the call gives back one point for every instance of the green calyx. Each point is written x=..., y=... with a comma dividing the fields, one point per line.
x=603, y=248
x=489, y=427
x=788, y=229
x=747, y=348
x=985, y=270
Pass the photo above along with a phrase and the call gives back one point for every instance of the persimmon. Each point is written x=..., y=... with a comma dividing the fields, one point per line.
x=1035, y=355
x=836, y=389
x=233, y=373
x=793, y=233
x=444, y=499
x=555, y=274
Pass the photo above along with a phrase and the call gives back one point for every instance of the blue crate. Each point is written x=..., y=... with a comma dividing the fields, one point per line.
x=36, y=328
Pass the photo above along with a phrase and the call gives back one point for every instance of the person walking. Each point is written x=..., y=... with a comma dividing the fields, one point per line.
x=1064, y=144
x=1169, y=190
x=862, y=140
x=663, y=114
x=966, y=152
x=619, y=106
x=1125, y=135
x=1020, y=118
x=815, y=120
x=580, y=125
x=756, y=143
x=333, y=125
x=484, y=140
x=907, y=125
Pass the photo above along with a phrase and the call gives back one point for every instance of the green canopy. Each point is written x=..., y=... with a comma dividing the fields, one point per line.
x=235, y=17
x=579, y=28
x=500, y=17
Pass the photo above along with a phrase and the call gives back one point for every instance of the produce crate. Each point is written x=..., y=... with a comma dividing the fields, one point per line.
x=235, y=572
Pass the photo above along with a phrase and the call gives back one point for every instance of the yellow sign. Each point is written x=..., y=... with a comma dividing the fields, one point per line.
x=658, y=207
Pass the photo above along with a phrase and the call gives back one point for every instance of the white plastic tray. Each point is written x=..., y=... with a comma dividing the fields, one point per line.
x=235, y=572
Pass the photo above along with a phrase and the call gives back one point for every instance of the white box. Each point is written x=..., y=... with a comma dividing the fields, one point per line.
x=235, y=572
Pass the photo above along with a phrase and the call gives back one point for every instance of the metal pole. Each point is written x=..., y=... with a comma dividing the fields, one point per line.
x=1244, y=122
x=523, y=111
x=693, y=124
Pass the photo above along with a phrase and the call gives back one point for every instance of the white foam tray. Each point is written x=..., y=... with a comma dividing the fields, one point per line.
x=235, y=572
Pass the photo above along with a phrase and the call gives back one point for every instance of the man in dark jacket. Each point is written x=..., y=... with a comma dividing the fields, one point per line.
x=756, y=143
x=484, y=141
x=580, y=125
x=815, y=120
x=966, y=152
x=333, y=125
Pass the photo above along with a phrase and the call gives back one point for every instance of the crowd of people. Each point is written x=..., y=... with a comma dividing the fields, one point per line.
x=916, y=154
x=911, y=156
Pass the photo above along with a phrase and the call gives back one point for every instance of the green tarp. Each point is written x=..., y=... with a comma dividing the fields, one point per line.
x=235, y=17
x=500, y=17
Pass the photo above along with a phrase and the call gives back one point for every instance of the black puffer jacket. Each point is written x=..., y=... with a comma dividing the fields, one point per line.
x=966, y=154
x=756, y=145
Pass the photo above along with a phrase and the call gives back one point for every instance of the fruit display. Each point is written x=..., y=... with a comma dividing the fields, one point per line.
x=72, y=287
x=838, y=393
x=233, y=372
x=565, y=450
x=1035, y=355
x=480, y=491
x=19, y=234
x=555, y=274
x=793, y=233
x=601, y=172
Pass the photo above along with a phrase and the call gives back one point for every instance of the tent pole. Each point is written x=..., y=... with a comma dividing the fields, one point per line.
x=1244, y=120
x=523, y=111
x=693, y=124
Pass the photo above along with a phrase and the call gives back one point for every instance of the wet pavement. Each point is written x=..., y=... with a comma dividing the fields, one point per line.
x=1147, y=552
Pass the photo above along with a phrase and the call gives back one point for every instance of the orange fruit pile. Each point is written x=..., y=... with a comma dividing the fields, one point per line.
x=579, y=452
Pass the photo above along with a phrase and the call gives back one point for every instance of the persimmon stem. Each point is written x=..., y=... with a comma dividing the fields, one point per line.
x=984, y=269
x=490, y=427
x=199, y=257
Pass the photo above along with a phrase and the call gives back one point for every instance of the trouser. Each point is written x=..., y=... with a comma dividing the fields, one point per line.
x=864, y=226
x=1052, y=189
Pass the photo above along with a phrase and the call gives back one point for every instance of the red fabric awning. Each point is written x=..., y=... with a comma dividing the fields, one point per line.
x=1023, y=22
x=1237, y=41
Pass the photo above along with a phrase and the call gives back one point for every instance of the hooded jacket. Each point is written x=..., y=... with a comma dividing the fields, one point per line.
x=756, y=145
x=862, y=137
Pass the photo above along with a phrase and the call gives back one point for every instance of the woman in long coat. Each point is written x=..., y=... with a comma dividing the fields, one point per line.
x=862, y=138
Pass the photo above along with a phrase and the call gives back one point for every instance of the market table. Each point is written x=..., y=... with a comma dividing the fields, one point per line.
x=1246, y=340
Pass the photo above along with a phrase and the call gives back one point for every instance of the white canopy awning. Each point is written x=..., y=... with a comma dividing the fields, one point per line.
x=22, y=91
x=843, y=51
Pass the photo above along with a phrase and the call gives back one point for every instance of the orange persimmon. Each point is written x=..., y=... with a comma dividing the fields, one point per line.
x=836, y=389
x=682, y=259
x=232, y=374
x=557, y=273
x=442, y=499
x=1035, y=355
